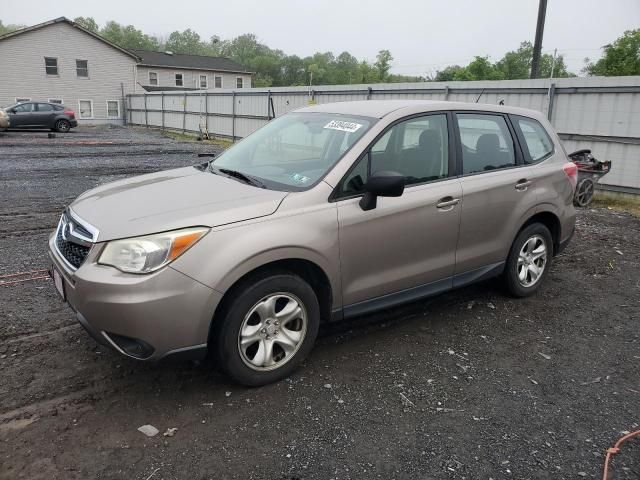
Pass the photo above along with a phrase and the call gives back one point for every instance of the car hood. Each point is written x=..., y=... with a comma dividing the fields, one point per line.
x=172, y=199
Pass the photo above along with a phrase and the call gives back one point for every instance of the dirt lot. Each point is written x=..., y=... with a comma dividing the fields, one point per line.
x=469, y=385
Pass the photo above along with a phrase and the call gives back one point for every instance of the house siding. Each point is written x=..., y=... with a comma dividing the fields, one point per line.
x=191, y=78
x=24, y=76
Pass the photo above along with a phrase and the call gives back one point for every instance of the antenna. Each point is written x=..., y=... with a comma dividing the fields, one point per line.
x=479, y=96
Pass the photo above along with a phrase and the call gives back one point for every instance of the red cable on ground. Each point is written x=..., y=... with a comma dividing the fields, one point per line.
x=19, y=274
x=32, y=275
x=616, y=449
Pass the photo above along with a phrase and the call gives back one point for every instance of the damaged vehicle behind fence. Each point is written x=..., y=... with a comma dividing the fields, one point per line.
x=326, y=213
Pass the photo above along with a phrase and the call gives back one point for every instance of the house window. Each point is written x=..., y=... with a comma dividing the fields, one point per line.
x=82, y=68
x=178, y=79
x=85, y=108
x=153, y=78
x=239, y=82
x=51, y=65
x=24, y=99
x=217, y=81
x=113, y=109
x=55, y=100
x=203, y=81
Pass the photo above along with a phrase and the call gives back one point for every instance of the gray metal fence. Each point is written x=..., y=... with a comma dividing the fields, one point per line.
x=600, y=113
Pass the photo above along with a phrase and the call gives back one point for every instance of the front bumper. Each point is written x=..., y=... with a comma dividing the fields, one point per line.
x=146, y=317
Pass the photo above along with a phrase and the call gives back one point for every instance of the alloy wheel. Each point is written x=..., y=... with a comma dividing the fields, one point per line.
x=532, y=261
x=272, y=331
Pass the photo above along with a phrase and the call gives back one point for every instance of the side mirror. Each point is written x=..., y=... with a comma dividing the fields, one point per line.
x=381, y=184
x=13, y=110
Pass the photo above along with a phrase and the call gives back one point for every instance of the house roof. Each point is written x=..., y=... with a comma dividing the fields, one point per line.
x=73, y=24
x=195, y=62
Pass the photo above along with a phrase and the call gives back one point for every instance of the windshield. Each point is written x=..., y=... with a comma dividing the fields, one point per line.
x=296, y=150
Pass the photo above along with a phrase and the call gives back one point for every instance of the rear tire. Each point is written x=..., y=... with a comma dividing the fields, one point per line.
x=63, y=126
x=529, y=260
x=266, y=328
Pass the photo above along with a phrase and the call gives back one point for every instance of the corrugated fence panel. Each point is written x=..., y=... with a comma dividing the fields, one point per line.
x=625, y=158
x=605, y=107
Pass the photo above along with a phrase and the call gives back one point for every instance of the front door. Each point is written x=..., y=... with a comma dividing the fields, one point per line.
x=406, y=245
x=22, y=115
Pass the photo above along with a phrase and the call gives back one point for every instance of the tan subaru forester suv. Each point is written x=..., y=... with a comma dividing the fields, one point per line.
x=325, y=213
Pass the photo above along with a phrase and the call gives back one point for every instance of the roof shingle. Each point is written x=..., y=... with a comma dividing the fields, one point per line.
x=199, y=62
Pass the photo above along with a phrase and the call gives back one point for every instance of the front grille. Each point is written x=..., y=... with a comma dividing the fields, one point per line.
x=72, y=252
x=74, y=239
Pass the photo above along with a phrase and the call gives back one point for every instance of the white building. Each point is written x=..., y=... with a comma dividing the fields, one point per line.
x=63, y=62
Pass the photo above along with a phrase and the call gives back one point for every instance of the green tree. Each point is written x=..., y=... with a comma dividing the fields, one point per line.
x=621, y=57
x=128, y=37
x=517, y=64
x=383, y=63
x=87, y=22
x=449, y=73
x=187, y=42
x=9, y=27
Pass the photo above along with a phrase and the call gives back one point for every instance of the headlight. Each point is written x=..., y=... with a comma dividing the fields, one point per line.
x=151, y=252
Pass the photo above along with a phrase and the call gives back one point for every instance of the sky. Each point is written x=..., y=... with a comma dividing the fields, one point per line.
x=423, y=35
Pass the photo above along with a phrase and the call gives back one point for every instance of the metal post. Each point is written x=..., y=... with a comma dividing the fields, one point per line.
x=233, y=117
x=146, y=120
x=130, y=112
x=163, y=111
x=369, y=93
x=552, y=94
x=206, y=111
x=184, y=113
x=269, y=104
x=537, y=45
x=124, y=105
x=446, y=93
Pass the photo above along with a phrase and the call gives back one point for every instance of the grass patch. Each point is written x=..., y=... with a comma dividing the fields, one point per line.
x=185, y=137
x=627, y=203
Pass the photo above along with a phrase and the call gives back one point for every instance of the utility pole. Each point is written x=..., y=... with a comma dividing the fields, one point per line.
x=537, y=45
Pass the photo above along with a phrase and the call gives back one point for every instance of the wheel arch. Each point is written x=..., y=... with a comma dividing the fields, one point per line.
x=307, y=269
x=549, y=220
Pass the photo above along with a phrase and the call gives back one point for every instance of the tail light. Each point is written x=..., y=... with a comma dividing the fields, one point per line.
x=70, y=113
x=571, y=169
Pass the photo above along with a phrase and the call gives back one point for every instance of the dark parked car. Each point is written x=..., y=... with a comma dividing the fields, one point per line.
x=42, y=115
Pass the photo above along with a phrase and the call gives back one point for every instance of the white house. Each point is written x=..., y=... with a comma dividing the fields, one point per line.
x=61, y=61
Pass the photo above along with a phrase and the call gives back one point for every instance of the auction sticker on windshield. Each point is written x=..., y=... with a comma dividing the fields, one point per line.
x=343, y=126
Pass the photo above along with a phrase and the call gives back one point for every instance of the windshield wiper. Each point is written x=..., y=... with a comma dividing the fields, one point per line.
x=242, y=176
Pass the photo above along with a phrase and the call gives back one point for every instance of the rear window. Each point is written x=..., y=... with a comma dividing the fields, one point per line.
x=536, y=139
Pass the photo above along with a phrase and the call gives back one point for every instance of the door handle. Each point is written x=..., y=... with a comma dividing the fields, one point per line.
x=523, y=184
x=447, y=202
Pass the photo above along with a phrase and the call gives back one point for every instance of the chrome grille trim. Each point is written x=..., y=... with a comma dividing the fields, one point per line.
x=73, y=239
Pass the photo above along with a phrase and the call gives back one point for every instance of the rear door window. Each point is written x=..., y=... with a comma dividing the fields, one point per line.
x=536, y=139
x=486, y=142
x=45, y=107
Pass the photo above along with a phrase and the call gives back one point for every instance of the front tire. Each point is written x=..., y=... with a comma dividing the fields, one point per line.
x=529, y=260
x=266, y=328
x=63, y=126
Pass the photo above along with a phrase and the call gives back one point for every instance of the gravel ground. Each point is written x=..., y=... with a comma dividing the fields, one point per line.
x=469, y=385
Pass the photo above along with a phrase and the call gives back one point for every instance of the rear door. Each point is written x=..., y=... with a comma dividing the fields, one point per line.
x=498, y=190
x=22, y=115
x=406, y=244
x=45, y=114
